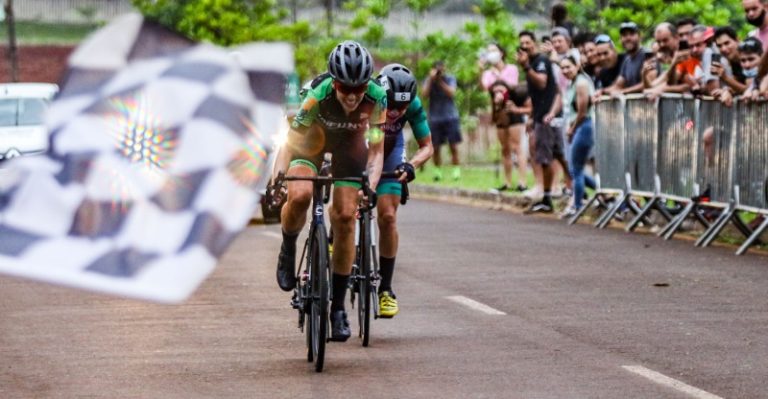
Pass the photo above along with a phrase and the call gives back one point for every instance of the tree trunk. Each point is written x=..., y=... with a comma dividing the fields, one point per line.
x=12, y=54
x=329, y=6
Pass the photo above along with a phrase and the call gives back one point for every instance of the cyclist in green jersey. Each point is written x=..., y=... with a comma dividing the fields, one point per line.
x=403, y=107
x=342, y=115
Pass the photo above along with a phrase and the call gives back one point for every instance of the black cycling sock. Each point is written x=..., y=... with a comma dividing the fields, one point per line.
x=339, y=288
x=289, y=241
x=386, y=269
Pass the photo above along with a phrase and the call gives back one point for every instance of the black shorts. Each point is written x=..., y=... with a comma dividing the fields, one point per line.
x=348, y=149
x=445, y=131
x=549, y=143
x=510, y=119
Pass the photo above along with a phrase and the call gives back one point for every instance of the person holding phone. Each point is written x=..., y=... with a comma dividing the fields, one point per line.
x=728, y=66
x=443, y=116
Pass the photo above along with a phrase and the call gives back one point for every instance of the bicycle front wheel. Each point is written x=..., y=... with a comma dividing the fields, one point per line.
x=320, y=293
x=364, y=296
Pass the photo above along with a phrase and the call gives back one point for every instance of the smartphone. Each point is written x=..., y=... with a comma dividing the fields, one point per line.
x=683, y=45
x=649, y=55
x=716, y=58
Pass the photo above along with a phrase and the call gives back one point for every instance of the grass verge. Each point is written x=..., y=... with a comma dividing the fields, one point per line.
x=30, y=32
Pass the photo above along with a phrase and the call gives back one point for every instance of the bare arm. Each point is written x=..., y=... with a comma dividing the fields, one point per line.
x=582, y=105
x=375, y=161
x=449, y=91
x=284, y=154
x=424, y=152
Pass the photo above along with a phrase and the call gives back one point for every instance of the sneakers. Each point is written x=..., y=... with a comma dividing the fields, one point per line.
x=533, y=193
x=568, y=212
x=503, y=187
x=521, y=188
x=286, y=269
x=340, y=330
x=456, y=173
x=438, y=175
x=387, y=304
x=542, y=206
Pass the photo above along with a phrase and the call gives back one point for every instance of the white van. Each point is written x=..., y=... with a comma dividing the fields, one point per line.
x=22, y=118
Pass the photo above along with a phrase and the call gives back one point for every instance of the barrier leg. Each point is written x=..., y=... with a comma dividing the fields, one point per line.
x=718, y=228
x=584, y=207
x=743, y=228
x=671, y=228
x=753, y=238
x=608, y=215
x=641, y=215
x=662, y=208
x=724, y=216
x=700, y=218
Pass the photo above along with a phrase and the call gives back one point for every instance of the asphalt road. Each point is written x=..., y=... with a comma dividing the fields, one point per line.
x=578, y=313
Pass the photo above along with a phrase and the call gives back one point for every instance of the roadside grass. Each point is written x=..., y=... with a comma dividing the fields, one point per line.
x=473, y=177
x=38, y=33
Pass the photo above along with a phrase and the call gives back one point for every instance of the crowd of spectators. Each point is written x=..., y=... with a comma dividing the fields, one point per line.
x=683, y=57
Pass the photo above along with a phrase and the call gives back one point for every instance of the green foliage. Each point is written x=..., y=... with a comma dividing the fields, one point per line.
x=230, y=22
x=596, y=16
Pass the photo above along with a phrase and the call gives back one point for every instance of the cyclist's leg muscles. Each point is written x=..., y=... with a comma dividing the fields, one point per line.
x=294, y=212
x=389, y=192
x=343, y=210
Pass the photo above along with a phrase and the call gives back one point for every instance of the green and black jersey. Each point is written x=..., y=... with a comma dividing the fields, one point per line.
x=324, y=126
x=321, y=107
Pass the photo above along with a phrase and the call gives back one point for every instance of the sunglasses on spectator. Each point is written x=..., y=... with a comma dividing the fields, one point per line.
x=344, y=89
x=750, y=46
x=602, y=39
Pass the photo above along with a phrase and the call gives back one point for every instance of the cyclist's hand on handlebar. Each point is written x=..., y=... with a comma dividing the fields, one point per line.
x=407, y=172
x=367, y=199
x=276, y=195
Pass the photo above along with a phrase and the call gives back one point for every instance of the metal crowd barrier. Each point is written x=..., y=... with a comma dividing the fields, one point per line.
x=609, y=154
x=698, y=153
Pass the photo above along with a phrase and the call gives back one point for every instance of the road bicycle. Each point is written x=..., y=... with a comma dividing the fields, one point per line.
x=364, y=279
x=312, y=294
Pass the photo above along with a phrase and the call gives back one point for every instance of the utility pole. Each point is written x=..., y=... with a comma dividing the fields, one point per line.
x=12, y=55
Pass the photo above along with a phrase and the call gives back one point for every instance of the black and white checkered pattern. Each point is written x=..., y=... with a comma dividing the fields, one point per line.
x=158, y=148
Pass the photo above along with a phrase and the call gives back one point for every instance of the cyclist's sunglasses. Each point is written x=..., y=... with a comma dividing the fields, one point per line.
x=343, y=89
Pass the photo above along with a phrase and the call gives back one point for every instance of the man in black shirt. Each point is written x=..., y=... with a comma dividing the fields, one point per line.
x=547, y=115
x=610, y=63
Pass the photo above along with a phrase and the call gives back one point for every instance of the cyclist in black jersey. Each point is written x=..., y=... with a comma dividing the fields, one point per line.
x=341, y=114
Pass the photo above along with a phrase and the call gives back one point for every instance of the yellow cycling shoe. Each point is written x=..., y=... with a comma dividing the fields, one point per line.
x=387, y=305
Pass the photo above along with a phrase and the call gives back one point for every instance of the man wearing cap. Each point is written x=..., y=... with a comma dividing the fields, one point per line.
x=630, y=78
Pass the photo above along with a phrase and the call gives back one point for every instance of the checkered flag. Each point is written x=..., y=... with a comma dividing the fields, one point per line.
x=158, y=148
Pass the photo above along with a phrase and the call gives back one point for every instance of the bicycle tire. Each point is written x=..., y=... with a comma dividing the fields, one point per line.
x=320, y=294
x=364, y=296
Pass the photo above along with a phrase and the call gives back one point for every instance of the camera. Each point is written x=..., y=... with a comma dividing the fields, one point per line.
x=683, y=45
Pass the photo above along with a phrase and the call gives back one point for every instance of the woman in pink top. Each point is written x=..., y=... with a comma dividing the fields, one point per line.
x=509, y=124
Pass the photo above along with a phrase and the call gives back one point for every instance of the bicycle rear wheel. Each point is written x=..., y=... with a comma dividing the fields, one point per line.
x=320, y=296
x=364, y=265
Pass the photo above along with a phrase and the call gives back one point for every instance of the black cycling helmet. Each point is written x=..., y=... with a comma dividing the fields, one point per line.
x=350, y=64
x=399, y=83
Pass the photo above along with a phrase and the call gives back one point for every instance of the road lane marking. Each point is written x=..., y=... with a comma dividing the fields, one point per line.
x=475, y=305
x=662, y=379
x=272, y=234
